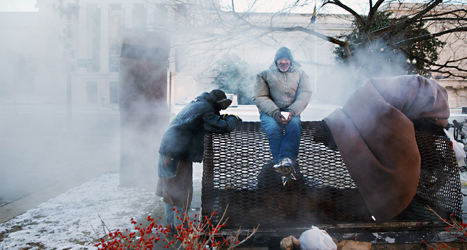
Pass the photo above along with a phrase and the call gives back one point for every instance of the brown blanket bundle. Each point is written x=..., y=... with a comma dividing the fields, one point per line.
x=375, y=134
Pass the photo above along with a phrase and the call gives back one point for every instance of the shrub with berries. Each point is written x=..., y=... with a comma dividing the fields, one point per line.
x=456, y=229
x=191, y=234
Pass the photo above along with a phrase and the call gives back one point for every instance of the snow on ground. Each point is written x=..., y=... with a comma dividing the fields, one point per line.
x=72, y=220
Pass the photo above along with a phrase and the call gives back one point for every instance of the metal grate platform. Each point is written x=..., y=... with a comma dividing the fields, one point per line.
x=237, y=172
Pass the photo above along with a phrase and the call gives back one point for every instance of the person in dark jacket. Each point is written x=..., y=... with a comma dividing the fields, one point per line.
x=183, y=143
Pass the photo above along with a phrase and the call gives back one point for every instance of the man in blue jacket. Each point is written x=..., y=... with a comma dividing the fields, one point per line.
x=183, y=144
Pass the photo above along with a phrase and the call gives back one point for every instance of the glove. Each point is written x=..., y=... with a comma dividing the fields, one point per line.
x=225, y=116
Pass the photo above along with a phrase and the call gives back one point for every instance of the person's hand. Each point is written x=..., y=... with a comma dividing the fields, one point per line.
x=288, y=117
x=279, y=117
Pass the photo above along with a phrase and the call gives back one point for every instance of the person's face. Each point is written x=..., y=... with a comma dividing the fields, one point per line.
x=283, y=64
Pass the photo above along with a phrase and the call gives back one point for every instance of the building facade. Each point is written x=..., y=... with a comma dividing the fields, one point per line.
x=71, y=50
x=84, y=40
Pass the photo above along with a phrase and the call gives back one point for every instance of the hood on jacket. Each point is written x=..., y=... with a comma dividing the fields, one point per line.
x=221, y=99
x=216, y=98
x=285, y=52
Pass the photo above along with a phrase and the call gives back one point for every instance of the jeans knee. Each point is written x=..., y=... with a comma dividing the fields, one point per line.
x=272, y=130
x=274, y=133
x=294, y=128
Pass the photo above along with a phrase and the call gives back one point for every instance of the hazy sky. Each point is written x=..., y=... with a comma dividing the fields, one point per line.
x=266, y=6
x=263, y=5
x=17, y=5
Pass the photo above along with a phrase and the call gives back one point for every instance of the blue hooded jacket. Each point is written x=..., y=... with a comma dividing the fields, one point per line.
x=184, y=139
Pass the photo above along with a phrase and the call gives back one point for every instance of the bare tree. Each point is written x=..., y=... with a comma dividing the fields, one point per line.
x=447, y=22
x=224, y=27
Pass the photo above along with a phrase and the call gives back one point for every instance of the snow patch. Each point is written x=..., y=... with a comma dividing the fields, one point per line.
x=73, y=219
x=390, y=240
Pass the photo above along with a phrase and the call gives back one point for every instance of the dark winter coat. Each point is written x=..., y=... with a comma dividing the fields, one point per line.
x=184, y=139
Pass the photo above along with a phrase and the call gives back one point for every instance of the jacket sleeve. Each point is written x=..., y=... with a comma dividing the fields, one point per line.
x=214, y=123
x=261, y=96
x=302, y=96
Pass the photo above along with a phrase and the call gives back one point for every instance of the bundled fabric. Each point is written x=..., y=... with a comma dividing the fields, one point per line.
x=375, y=134
x=316, y=239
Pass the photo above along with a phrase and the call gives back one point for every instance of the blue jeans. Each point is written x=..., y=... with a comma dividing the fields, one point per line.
x=284, y=140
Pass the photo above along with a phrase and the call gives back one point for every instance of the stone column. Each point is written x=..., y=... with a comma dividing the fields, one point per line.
x=144, y=115
x=128, y=15
x=104, y=44
x=82, y=22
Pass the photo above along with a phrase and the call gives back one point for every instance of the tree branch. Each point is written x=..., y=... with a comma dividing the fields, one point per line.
x=428, y=19
x=373, y=10
x=403, y=24
x=346, y=8
x=304, y=30
x=461, y=73
x=448, y=13
x=426, y=37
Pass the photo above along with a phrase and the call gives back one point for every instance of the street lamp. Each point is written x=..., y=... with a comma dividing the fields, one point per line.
x=69, y=9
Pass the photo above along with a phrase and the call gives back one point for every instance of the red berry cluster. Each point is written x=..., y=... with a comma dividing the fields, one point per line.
x=457, y=229
x=193, y=234
x=139, y=238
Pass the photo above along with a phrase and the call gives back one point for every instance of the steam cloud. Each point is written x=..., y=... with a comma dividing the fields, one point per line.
x=38, y=149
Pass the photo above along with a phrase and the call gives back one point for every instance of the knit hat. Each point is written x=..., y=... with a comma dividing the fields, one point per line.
x=220, y=98
x=283, y=52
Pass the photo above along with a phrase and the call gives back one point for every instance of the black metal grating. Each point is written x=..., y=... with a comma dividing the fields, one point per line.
x=237, y=172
